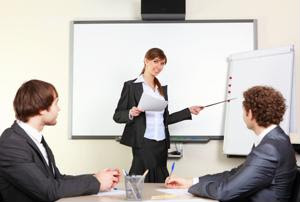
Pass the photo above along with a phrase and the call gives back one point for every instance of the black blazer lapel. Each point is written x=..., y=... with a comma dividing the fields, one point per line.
x=22, y=133
x=138, y=91
x=165, y=90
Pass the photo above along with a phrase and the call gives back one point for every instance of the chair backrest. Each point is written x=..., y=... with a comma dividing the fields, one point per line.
x=296, y=188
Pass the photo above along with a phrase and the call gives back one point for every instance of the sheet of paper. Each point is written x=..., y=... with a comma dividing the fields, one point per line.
x=180, y=200
x=174, y=191
x=163, y=197
x=112, y=193
x=150, y=103
x=173, y=195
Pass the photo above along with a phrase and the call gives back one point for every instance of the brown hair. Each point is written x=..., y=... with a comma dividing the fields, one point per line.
x=151, y=54
x=267, y=105
x=32, y=97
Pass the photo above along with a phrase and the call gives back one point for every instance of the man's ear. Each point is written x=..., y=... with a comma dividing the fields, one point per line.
x=249, y=113
x=42, y=112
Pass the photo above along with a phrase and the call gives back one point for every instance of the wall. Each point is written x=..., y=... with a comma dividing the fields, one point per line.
x=35, y=43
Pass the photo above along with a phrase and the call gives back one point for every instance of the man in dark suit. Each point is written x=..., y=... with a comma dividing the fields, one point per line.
x=269, y=170
x=28, y=172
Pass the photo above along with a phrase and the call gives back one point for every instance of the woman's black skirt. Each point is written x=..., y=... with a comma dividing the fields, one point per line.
x=153, y=156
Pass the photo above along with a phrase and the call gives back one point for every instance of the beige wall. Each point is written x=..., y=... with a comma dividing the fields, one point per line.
x=35, y=43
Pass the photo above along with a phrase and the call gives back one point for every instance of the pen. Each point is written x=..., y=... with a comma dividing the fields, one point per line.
x=172, y=168
x=145, y=173
x=130, y=185
x=142, y=178
x=124, y=172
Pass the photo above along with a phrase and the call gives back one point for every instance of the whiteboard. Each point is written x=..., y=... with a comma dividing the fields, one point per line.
x=271, y=67
x=106, y=54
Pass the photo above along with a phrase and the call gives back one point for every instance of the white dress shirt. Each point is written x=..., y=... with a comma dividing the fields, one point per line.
x=155, y=128
x=36, y=137
x=257, y=141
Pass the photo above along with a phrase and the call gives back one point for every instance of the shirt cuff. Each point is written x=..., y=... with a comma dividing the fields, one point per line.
x=130, y=116
x=195, y=180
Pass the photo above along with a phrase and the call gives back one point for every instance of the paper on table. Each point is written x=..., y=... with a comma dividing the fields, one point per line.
x=112, y=193
x=181, y=200
x=150, y=103
x=174, y=191
x=163, y=196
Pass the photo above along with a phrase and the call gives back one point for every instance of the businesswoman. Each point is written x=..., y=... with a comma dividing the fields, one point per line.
x=147, y=131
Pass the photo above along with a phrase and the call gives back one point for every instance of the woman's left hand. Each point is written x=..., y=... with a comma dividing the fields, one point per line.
x=195, y=109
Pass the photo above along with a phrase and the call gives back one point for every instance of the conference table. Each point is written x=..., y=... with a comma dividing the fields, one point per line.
x=151, y=192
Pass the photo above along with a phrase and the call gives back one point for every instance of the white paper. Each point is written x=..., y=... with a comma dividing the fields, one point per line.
x=150, y=103
x=182, y=200
x=175, y=191
x=112, y=192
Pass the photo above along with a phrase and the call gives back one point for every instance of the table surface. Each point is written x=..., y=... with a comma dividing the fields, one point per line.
x=150, y=193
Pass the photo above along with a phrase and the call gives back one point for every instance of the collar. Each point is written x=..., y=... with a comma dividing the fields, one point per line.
x=140, y=79
x=259, y=138
x=32, y=132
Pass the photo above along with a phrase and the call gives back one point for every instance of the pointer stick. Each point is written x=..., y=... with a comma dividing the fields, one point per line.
x=219, y=102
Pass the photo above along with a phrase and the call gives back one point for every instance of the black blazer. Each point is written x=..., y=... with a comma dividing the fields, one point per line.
x=133, y=134
x=25, y=176
x=267, y=175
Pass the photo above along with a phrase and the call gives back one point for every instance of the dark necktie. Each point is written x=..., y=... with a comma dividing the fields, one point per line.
x=48, y=154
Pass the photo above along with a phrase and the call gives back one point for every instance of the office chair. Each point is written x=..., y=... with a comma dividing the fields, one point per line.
x=296, y=188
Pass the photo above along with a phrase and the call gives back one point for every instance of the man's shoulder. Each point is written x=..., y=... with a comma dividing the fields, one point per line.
x=7, y=135
x=276, y=140
x=268, y=148
x=10, y=137
x=11, y=131
x=272, y=146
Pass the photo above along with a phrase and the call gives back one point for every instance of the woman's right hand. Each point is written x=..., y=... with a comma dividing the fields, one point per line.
x=134, y=111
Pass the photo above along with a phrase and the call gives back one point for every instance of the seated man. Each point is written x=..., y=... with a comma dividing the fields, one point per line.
x=269, y=171
x=28, y=172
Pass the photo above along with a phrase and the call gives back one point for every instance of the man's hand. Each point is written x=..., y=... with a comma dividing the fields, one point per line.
x=178, y=183
x=108, y=178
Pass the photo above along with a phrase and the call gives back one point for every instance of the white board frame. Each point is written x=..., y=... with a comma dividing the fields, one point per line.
x=271, y=67
x=80, y=135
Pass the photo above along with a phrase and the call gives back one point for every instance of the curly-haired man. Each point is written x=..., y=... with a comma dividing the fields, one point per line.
x=269, y=170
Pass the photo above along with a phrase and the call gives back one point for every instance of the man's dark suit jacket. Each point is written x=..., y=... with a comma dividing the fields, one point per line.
x=25, y=176
x=267, y=175
x=133, y=134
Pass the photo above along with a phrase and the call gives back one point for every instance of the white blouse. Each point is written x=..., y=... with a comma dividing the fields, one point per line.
x=155, y=128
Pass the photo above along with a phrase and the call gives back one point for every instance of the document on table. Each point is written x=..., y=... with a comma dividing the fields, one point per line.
x=150, y=103
x=181, y=200
x=112, y=192
x=175, y=191
x=171, y=195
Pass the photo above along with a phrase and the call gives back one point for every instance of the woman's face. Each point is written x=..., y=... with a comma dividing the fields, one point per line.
x=155, y=66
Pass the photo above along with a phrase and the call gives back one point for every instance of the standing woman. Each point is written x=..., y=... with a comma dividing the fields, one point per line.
x=147, y=131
